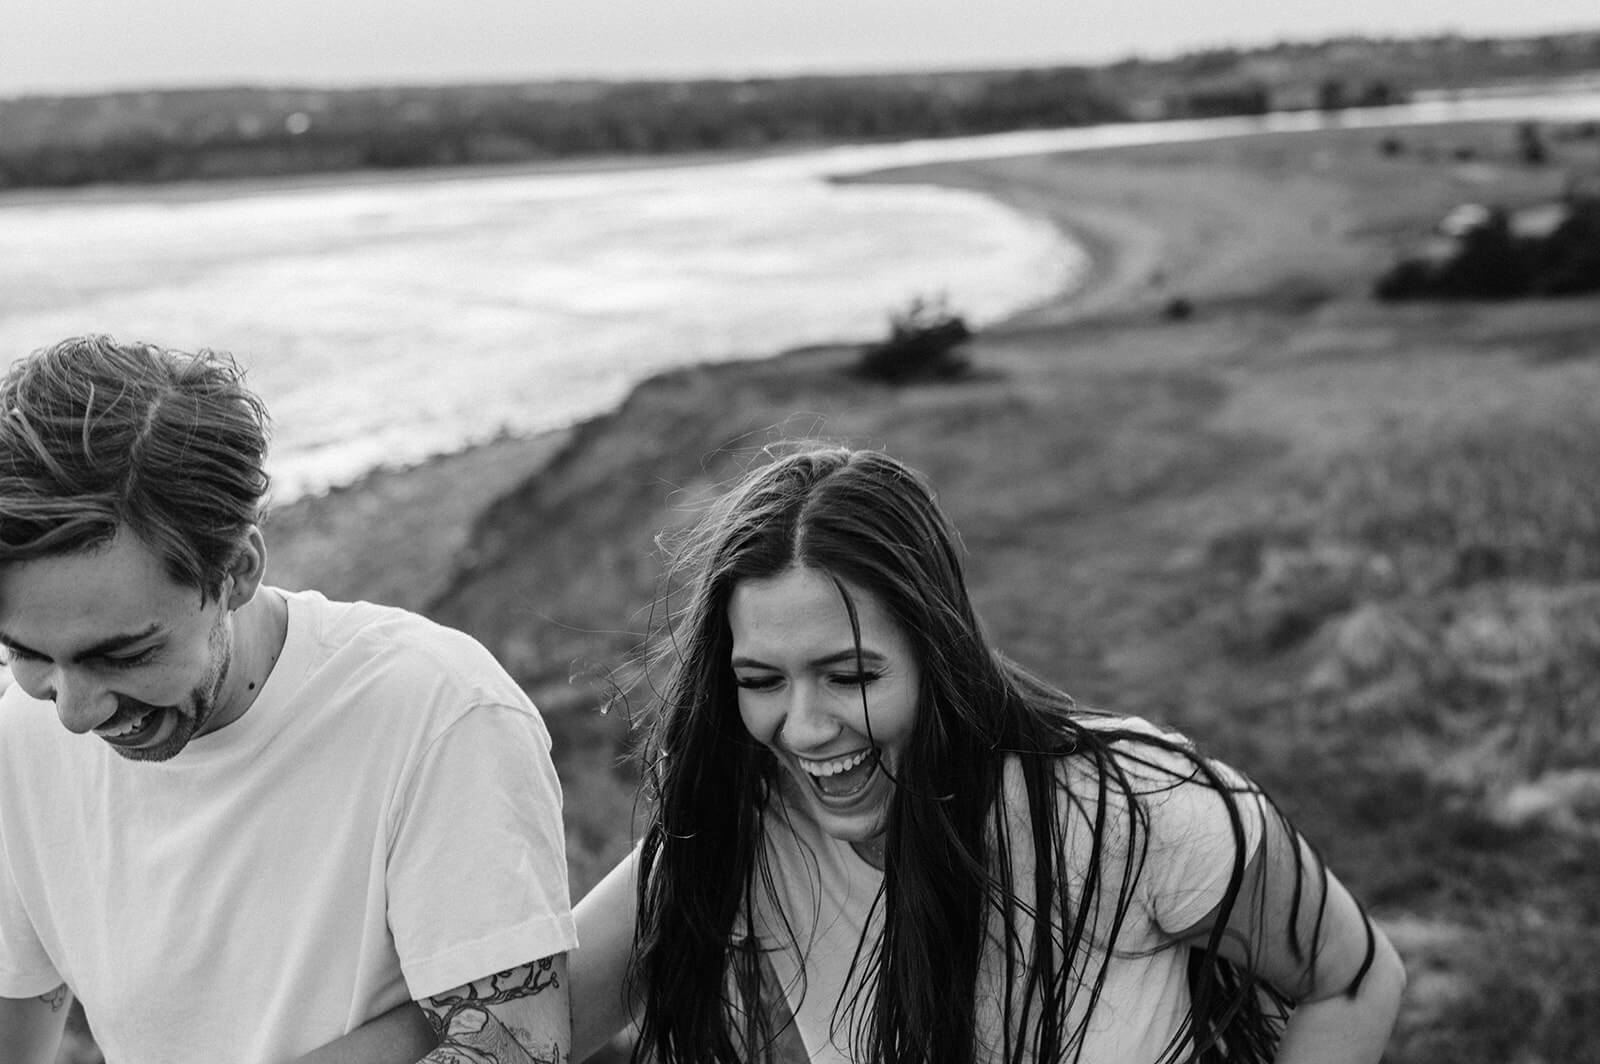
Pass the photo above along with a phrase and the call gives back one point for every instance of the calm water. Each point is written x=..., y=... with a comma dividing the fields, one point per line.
x=389, y=321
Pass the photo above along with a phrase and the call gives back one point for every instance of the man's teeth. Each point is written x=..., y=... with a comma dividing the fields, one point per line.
x=128, y=726
x=836, y=765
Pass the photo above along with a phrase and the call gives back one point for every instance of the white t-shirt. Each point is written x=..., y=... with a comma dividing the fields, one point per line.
x=828, y=891
x=383, y=824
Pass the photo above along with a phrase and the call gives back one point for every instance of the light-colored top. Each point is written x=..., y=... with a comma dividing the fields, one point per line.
x=384, y=823
x=828, y=893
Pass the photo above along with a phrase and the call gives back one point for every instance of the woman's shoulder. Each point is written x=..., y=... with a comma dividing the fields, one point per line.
x=1117, y=755
x=1133, y=799
x=1127, y=777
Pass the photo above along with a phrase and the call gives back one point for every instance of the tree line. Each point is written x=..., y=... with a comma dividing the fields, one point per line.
x=200, y=134
x=246, y=132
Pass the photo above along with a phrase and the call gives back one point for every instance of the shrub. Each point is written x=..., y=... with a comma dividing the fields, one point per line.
x=1489, y=260
x=925, y=343
x=1567, y=262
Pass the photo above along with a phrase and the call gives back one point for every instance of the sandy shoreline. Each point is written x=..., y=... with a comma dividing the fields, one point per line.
x=199, y=191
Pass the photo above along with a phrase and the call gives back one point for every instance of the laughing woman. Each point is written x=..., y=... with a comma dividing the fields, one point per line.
x=868, y=821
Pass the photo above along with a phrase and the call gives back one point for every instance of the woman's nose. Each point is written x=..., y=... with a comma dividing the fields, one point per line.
x=807, y=724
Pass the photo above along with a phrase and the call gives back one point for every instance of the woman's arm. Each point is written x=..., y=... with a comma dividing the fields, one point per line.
x=599, y=966
x=399, y=1036
x=1345, y=1014
x=31, y=1028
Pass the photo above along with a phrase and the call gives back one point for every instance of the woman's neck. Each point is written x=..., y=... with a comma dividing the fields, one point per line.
x=870, y=851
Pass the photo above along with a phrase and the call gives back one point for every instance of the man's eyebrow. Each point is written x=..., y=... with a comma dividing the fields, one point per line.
x=106, y=646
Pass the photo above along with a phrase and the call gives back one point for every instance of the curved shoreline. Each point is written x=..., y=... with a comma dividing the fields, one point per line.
x=421, y=516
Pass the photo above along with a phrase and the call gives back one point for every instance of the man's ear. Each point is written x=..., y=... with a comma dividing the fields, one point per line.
x=248, y=569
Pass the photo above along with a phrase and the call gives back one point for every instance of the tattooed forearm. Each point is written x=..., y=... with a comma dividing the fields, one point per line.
x=522, y=981
x=476, y=1036
x=471, y=1031
x=57, y=999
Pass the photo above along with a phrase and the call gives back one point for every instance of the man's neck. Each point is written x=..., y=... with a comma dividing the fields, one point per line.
x=260, y=628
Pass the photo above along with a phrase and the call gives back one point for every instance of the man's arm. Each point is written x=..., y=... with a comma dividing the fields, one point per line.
x=30, y=1028
x=520, y=1016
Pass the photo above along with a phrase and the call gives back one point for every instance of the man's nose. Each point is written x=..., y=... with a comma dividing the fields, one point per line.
x=82, y=703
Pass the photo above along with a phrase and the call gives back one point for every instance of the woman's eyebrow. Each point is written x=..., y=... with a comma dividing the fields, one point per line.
x=849, y=656
x=840, y=657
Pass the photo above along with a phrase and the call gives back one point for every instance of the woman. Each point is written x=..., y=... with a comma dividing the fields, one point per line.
x=861, y=811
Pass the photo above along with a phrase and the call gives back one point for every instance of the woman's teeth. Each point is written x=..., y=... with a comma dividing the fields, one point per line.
x=843, y=777
x=836, y=765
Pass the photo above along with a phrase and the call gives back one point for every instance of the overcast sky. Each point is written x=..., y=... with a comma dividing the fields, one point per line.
x=92, y=45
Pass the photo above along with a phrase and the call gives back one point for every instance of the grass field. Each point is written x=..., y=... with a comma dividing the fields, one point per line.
x=1351, y=547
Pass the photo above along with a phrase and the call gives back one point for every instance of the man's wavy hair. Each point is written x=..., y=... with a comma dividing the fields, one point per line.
x=98, y=436
x=871, y=524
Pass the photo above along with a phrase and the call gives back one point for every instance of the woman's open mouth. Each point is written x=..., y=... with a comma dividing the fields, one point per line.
x=842, y=777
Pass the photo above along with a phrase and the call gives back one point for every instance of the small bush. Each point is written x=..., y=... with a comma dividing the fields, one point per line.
x=925, y=343
x=1488, y=260
x=1567, y=262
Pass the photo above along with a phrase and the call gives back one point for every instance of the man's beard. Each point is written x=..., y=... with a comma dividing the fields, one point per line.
x=186, y=719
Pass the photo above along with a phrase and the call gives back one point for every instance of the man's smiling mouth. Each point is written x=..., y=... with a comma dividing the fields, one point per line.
x=130, y=727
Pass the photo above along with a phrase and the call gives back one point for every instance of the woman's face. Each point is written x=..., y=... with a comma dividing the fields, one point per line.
x=834, y=725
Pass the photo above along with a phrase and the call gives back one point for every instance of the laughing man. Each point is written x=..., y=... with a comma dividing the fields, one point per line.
x=237, y=822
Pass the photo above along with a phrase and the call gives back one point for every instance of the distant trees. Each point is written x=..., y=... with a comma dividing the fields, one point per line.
x=241, y=132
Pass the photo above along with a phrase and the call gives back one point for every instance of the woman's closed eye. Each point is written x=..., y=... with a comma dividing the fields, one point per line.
x=853, y=679
x=756, y=683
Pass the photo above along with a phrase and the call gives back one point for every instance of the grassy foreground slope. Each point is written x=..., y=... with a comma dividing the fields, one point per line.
x=1354, y=548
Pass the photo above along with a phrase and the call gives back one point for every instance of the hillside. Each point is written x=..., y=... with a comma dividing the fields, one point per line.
x=1348, y=545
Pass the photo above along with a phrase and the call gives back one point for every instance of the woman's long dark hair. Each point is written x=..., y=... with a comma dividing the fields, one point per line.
x=872, y=524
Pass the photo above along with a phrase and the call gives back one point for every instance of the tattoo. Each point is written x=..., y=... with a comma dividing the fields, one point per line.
x=497, y=989
x=470, y=1034
x=446, y=1055
x=57, y=999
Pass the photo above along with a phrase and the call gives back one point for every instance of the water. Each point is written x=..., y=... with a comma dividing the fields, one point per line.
x=384, y=322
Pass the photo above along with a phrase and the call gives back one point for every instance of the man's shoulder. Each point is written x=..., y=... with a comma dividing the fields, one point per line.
x=398, y=649
x=31, y=737
x=20, y=713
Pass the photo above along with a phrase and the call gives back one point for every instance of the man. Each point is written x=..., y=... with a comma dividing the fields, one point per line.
x=236, y=822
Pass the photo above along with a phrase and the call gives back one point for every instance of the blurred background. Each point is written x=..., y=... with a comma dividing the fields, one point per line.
x=1255, y=355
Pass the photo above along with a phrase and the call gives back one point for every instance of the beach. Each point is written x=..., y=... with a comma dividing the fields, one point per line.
x=1177, y=485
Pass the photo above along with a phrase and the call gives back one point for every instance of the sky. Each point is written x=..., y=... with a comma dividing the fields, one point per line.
x=83, y=46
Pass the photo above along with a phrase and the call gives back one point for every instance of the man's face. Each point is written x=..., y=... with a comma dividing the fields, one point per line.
x=122, y=649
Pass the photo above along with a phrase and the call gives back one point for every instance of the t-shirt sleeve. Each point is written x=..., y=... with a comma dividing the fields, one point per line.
x=25, y=968
x=1195, y=844
x=477, y=872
